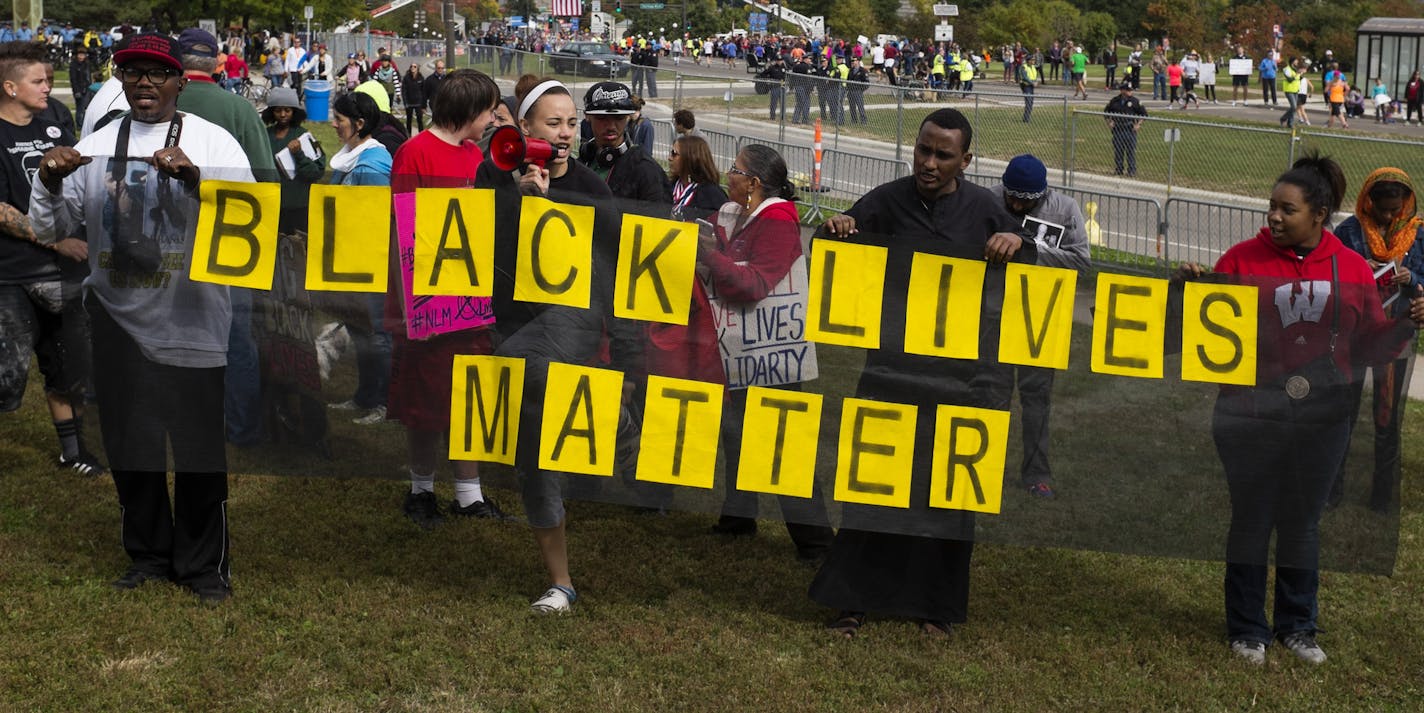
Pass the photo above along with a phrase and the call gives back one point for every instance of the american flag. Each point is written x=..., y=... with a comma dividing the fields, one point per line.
x=566, y=8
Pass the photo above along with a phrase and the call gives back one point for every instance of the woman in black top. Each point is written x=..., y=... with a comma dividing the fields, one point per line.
x=413, y=96
x=542, y=334
x=696, y=192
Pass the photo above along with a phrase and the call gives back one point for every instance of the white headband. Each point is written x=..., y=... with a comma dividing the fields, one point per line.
x=534, y=95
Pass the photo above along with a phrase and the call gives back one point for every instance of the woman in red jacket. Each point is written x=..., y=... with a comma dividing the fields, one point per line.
x=1282, y=440
x=753, y=247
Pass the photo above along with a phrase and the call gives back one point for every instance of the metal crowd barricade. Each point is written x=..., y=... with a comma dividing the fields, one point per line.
x=1199, y=231
x=663, y=136
x=1123, y=230
x=724, y=146
x=848, y=176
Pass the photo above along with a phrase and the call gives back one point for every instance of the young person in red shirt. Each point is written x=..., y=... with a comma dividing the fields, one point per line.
x=446, y=156
x=1282, y=440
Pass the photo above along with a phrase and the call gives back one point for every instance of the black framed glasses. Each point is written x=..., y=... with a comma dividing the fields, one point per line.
x=156, y=76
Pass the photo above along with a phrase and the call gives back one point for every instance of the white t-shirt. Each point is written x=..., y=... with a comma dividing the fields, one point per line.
x=877, y=55
x=109, y=97
x=294, y=58
x=173, y=320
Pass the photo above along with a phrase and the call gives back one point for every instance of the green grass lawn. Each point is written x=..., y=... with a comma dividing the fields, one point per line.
x=342, y=605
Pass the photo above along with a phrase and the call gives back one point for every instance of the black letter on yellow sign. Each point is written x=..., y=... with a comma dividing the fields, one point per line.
x=488, y=424
x=858, y=446
x=967, y=461
x=444, y=252
x=544, y=284
x=328, y=249
x=1115, y=323
x=1036, y=336
x=683, y=398
x=222, y=229
x=648, y=263
x=826, y=324
x=1220, y=331
x=782, y=407
x=582, y=394
x=946, y=271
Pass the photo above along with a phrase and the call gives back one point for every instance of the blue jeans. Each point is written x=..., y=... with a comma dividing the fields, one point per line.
x=1159, y=86
x=1288, y=118
x=242, y=398
x=1279, y=472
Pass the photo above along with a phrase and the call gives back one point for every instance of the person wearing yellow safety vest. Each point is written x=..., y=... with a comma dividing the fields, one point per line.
x=835, y=90
x=966, y=74
x=937, y=71
x=1290, y=86
x=1028, y=78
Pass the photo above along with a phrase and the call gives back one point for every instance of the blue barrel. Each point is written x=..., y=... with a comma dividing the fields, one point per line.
x=318, y=99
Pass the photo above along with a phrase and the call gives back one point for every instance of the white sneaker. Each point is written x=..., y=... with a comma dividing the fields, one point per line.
x=555, y=600
x=372, y=417
x=1302, y=644
x=1253, y=652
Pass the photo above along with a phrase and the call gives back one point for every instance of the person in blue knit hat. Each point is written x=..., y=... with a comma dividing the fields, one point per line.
x=1057, y=225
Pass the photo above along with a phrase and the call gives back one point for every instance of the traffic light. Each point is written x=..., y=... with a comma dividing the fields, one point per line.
x=618, y=6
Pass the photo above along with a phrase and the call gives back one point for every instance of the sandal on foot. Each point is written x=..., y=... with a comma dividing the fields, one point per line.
x=934, y=629
x=847, y=624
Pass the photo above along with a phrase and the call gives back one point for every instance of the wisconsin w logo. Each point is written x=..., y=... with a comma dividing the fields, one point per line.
x=1302, y=301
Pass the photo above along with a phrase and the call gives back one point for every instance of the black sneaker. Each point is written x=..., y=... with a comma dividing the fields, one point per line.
x=734, y=526
x=483, y=509
x=423, y=510
x=212, y=593
x=84, y=464
x=135, y=578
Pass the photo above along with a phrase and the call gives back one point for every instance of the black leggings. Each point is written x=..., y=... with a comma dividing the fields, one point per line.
x=418, y=115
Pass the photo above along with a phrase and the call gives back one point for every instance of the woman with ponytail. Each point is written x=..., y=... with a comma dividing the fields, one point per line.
x=1386, y=229
x=753, y=246
x=543, y=334
x=1282, y=440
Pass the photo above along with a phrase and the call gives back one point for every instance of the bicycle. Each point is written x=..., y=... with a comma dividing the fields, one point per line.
x=254, y=93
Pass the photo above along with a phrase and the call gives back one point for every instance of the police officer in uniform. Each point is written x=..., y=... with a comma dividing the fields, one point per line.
x=801, y=83
x=858, y=81
x=775, y=78
x=1125, y=115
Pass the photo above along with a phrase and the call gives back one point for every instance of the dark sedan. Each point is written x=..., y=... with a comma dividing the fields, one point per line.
x=590, y=59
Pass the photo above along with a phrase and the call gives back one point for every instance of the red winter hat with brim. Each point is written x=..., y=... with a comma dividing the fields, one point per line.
x=151, y=46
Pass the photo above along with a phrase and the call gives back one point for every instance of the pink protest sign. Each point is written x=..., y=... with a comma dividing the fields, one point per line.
x=429, y=315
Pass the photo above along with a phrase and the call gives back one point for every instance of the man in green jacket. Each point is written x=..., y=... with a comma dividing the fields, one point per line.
x=202, y=97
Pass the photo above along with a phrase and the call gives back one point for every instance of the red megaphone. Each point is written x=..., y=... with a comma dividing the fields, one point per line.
x=510, y=149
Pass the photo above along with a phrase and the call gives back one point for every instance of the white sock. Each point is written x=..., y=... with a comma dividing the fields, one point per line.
x=468, y=492
x=421, y=483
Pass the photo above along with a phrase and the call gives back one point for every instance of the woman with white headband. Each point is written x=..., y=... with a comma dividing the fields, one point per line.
x=541, y=334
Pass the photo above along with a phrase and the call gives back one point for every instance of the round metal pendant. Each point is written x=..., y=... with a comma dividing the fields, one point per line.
x=1297, y=387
